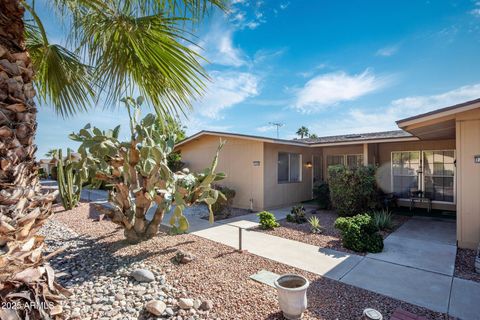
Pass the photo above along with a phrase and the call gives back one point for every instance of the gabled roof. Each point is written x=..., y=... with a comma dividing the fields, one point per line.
x=461, y=107
x=384, y=136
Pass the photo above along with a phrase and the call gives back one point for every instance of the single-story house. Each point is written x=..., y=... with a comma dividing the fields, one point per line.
x=437, y=152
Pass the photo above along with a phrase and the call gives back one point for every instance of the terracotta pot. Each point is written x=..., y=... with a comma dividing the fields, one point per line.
x=292, y=295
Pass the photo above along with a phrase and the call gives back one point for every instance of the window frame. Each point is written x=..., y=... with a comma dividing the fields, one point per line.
x=300, y=167
x=421, y=178
x=345, y=159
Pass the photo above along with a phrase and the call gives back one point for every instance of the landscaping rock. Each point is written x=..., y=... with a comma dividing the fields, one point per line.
x=184, y=257
x=206, y=305
x=143, y=275
x=185, y=303
x=156, y=307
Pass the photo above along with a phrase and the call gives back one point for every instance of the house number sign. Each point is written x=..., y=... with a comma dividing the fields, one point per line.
x=476, y=158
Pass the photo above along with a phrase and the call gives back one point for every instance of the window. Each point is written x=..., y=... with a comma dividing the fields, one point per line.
x=405, y=167
x=439, y=170
x=354, y=160
x=289, y=167
x=350, y=160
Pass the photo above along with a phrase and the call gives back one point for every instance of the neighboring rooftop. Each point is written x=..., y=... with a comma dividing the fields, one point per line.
x=357, y=137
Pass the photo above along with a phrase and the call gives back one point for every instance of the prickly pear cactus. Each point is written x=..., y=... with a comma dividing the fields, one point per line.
x=139, y=174
x=70, y=177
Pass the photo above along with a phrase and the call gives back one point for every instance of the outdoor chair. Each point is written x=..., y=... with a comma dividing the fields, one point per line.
x=418, y=196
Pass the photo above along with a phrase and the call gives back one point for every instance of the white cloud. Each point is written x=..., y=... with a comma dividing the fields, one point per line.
x=331, y=88
x=226, y=90
x=195, y=124
x=381, y=119
x=218, y=47
x=284, y=6
x=475, y=12
x=387, y=51
x=265, y=128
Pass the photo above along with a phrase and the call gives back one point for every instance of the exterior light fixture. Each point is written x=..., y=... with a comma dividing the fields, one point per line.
x=308, y=164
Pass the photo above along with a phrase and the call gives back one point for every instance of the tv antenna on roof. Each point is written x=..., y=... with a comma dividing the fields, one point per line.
x=276, y=124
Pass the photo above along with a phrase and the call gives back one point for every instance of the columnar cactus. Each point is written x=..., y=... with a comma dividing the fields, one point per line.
x=70, y=178
x=139, y=174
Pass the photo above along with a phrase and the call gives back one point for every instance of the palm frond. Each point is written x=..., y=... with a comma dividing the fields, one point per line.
x=144, y=51
x=61, y=78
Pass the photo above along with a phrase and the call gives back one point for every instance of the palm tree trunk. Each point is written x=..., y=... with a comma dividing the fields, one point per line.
x=25, y=277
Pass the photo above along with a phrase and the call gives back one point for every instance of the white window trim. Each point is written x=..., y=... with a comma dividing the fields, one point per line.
x=345, y=157
x=421, y=182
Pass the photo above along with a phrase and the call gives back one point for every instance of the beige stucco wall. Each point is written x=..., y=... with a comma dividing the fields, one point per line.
x=236, y=161
x=283, y=194
x=468, y=179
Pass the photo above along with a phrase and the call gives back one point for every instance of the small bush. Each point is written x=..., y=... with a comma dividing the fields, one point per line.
x=321, y=193
x=223, y=207
x=315, y=226
x=174, y=161
x=297, y=214
x=359, y=233
x=267, y=220
x=382, y=219
x=352, y=190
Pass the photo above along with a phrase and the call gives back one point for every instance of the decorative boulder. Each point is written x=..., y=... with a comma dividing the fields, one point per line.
x=156, y=307
x=184, y=257
x=143, y=275
x=185, y=303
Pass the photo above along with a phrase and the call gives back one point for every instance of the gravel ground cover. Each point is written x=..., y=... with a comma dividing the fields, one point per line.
x=465, y=265
x=219, y=274
x=329, y=237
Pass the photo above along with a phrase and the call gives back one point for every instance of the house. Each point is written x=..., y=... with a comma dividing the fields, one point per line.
x=437, y=152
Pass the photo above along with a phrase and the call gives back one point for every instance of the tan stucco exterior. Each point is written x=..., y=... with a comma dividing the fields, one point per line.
x=282, y=194
x=236, y=161
x=468, y=179
x=258, y=183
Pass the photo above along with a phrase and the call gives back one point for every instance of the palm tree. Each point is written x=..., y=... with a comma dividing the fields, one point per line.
x=128, y=45
x=302, y=132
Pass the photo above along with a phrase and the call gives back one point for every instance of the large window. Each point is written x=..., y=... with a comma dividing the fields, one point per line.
x=432, y=172
x=350, y=160
x=439, y=170
x=405, y=166
x=289, y=167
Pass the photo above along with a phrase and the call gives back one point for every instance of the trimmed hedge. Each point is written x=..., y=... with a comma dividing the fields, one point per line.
x=321, y=193
x=359, y=233
x=352, y=190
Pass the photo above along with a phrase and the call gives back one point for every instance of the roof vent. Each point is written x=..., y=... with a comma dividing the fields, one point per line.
x=353, y=136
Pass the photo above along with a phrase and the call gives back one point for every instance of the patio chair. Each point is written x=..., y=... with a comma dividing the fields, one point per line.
x=418, y=196
x=388, y=200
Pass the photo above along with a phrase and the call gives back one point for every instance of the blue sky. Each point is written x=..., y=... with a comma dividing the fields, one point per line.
x=334, y=66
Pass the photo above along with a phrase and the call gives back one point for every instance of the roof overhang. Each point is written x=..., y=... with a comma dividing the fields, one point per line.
x=240, y=136
x=290, y=142
x=437, y=124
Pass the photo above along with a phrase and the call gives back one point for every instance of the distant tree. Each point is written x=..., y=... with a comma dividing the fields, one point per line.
x=173, y=125
x=51, y=153
x=313, y=136
x=302, y=132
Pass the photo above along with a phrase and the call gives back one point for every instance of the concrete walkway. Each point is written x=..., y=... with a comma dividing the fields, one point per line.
x=415, y=266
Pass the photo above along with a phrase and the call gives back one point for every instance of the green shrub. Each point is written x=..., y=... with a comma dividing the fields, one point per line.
x=174, y=161
x=297, y=214
x=321, y=193
x=359, y=233
x=267, y=220
x=223, y=207
x=352, y=190
x=315, y=226
x=382, y=219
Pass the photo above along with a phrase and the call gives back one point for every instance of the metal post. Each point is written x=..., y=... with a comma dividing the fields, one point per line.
x=240, y=239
